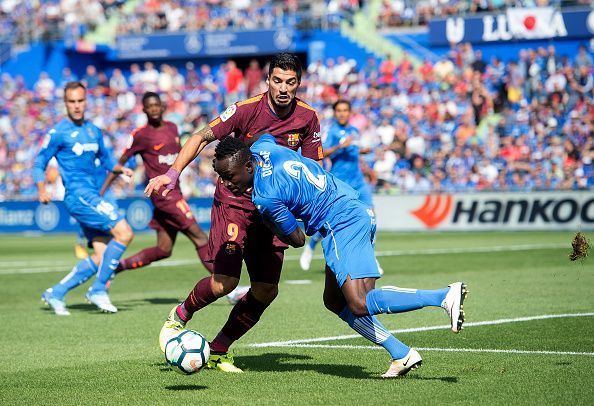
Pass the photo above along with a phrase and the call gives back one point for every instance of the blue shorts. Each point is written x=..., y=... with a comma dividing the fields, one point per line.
x=365, y=194
x=348, y=246
x=96, y=215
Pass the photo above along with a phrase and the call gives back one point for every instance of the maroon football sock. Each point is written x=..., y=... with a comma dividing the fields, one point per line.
x=201, y=296
x=203, y=254
x=142, y=258
x=243, y=317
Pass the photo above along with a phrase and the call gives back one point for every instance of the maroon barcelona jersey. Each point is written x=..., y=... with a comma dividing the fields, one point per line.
x=299, y=129
x=158, y=148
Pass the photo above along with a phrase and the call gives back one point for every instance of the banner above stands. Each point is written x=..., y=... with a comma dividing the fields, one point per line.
x=516, y=24
x=203, y=44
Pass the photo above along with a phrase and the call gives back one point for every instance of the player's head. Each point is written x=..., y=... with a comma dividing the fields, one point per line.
x=233, y=162
x=152, y=107
x=75, y=99
x=284, y=77
x=342, y=111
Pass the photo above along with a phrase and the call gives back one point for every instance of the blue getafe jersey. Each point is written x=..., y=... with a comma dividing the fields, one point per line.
x=288, y=186
x=345, y=162
x=76, y=149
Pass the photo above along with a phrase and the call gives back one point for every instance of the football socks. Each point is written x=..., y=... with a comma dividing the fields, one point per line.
x=109, y=262
x=81, y=273
x=392, y=299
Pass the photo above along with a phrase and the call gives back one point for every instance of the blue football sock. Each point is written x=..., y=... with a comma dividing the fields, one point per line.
x=79, y=275
x=314, y=240
x=392, y=299
x=109, y=262
x=371, y=328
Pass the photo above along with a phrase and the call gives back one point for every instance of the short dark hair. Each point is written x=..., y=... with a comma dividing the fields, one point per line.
x=148, y=95
x=341, y=101
x=73, y=85
x=234, y=149
x=286, y=61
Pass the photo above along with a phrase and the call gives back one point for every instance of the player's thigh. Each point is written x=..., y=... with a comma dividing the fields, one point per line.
x=348, y=247
x=196, y=235
x=355, y=294
x=263, y=259
x=333, y=297
x=226, y=242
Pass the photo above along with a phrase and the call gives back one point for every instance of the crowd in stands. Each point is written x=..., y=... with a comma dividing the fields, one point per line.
x=460, y=124
x=397, y=13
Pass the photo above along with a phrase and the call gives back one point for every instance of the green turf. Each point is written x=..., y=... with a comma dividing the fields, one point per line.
x=91, y=358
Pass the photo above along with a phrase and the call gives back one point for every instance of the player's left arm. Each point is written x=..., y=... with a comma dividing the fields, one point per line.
x=311, y=146
x=281, y=221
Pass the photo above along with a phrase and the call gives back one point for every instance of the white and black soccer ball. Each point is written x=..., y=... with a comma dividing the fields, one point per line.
x=187, y=352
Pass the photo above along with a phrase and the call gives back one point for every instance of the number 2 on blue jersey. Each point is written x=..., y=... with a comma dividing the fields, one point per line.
x=294, y=168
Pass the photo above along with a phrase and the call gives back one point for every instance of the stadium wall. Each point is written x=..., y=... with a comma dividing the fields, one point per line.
x=444, y=212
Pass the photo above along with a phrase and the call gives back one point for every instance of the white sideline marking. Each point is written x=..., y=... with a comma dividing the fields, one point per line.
x=375, y=347
x=298, y=281
x=291, y=343
x=31, y=267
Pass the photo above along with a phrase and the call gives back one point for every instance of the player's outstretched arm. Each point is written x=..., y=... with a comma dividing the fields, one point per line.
x=117, y=169
x=192, y=148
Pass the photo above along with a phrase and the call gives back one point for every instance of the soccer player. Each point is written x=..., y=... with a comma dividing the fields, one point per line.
x=286, y=186
x=237, y=232
x=157, y=142
x=77, y=144
x=342, y=147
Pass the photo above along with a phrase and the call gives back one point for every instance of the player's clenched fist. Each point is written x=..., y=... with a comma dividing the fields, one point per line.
x=44, y=197
x=168, y=181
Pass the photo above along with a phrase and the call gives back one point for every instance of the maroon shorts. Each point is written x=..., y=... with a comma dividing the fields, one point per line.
x=237, y=234
x=172, y=213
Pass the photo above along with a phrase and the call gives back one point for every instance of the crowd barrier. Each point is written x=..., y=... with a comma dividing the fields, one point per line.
x=440, y=212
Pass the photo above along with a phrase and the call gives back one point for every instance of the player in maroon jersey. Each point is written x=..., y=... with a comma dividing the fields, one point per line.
x=237, y=232
x=157, y=142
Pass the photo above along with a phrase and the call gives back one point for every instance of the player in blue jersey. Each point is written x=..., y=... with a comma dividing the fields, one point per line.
x=77, y=144
x=287, y=186
x=341, y=146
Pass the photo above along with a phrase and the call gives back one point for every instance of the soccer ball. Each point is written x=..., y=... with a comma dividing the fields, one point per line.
x=187, y=352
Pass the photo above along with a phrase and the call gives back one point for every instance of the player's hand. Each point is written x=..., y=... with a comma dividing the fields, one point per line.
x=44, y=197
x=155, y=184
x=127, y=172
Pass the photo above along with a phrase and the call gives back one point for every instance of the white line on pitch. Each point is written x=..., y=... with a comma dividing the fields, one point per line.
x=491, y=350
x=14, y=267
x=419, y=329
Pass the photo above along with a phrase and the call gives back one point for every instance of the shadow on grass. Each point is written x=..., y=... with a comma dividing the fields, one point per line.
x=186, y=387
x=93, y=309
x=162, y=300
x=282, y=362
x=446, y=379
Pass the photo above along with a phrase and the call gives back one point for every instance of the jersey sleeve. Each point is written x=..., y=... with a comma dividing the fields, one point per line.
x=106, y=158
x=312, y=143
x=228, y=122
x=49, y=148
x=275, y=212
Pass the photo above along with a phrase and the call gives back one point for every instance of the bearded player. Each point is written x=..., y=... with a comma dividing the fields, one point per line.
x=237, y=232
x=157, y=143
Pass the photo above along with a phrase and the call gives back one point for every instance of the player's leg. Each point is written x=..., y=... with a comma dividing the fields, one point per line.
x=165, y=241
x=80, y=249
x=200, y=241
x=308, y=251
x=97, y=294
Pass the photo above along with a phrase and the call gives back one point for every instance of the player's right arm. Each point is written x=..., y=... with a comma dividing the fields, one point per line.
x=49, y=148
x=333, y=143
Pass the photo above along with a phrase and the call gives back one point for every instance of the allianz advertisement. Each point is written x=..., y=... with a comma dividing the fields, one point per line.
x=516, y=24
x=29, y=216
x=486, y=211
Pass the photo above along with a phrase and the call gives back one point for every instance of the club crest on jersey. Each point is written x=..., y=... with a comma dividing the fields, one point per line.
x=230, y=248
x=228, y=113
x=293, y=140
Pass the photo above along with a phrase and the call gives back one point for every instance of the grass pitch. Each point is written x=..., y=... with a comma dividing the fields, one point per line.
x=537, y=348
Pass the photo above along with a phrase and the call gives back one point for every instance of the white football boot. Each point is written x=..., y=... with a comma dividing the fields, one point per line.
x=401, y=367
x=306, y=257
x=454, y=305
x=172, y=327
x=57, y=305
x=101, y=300
x=236, y=294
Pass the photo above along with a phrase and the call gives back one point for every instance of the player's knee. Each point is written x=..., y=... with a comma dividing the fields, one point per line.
x=358, y=307
x=264, y=293
x=123, y=233
x=164, y=253
x=222, y=285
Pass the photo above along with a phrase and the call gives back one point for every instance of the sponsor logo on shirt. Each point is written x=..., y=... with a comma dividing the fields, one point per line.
x=226, y=115
x=293, y=140
x=168, y=159
x=159, y=146
x=79, y=148
x=74, y=134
